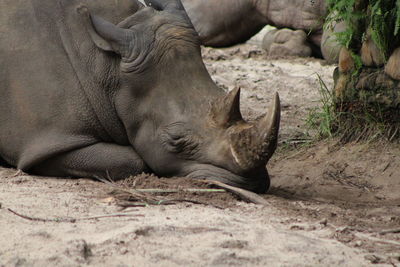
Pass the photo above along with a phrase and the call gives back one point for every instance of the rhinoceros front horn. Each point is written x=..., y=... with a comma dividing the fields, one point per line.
x=268, y=128
x=252, y=145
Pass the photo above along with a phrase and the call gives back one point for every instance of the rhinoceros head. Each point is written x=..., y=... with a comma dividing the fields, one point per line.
x=235, y=150
x=176, y=118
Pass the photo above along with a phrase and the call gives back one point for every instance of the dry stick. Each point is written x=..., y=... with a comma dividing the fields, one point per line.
x=189, y=190
x=110, y=215
x=172, y=201
x=387, y=166
x=17, y=173
x=393, y=135
x=242, y=193
x=150, y=200
x=391, y=242
x=390, y=231
x=70, y=220
x=298, y=140
x=73, y=220
x=126, y=204
x=133, y=192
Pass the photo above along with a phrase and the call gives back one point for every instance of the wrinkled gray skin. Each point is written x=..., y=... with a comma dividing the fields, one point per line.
x=81, y=96
x=286, y=42
x=228, y=22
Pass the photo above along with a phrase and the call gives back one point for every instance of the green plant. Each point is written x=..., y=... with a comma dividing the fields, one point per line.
x=378, y=18
x=384, y=24
x=323, y=118
x=364, y=110
x=361, y=121
x=375, y=19
x=343, y=10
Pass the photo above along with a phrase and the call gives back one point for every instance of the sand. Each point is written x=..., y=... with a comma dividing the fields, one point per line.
x=327, y=206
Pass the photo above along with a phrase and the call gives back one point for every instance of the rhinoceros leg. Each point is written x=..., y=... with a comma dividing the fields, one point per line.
x=103, y=160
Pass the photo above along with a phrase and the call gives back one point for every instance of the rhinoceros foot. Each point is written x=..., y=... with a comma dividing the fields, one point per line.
x=286, y=42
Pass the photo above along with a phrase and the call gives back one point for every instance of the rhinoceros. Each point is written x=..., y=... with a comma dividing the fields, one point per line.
x=227, y=22
x=103, y=88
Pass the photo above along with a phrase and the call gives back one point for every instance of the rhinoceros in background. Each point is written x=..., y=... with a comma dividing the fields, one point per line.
x=82, y=96
x=286, y=42
x=223, y=23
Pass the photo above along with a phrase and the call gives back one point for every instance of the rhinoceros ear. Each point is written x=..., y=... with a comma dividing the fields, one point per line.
x=164, y=4
x=105, y=35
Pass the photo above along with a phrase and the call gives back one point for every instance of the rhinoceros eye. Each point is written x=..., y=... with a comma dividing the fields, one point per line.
x=178, y=139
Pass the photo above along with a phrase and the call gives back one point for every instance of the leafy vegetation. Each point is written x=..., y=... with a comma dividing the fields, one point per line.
x=359, y=121
x=378, y=18
x=367, y=109
x=323, y=118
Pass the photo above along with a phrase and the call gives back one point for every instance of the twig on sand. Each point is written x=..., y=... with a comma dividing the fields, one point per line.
x=17, y=173
x=69, y=220
x=242, y=193
x=143, y=197
x=129, y=192
x=295, y=141
x=192, y=201
x=390, y=231
x=189, y=190
x=73, y=220
x=375, y=239
x=127, y=204
x=110, y=216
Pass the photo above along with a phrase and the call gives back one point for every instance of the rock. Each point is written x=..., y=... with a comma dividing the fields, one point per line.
x=330, y=46
x=346, y=61
x=392, y=67
x=375, y=86
x=373, y=259
x=366, y=80
x=341, y=85
x=79, y=251
x=385, y=81
x=324, y=222
x=371, y=56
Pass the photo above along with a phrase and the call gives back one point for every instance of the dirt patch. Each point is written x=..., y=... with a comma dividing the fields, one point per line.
x=355, y=173
x=295, y=79
x=352, y=188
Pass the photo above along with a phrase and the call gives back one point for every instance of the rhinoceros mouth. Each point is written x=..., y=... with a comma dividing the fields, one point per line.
x=257, y=184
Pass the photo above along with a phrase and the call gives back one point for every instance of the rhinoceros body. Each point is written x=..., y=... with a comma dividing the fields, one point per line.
x=228, y=22
x=222, y=23
x=82, y=96
x=51, y=101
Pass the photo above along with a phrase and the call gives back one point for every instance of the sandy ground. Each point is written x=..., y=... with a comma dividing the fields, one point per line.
x=329, y=204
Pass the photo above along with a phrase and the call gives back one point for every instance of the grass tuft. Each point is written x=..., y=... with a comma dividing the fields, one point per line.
x=351, y=121
x=322, y=118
